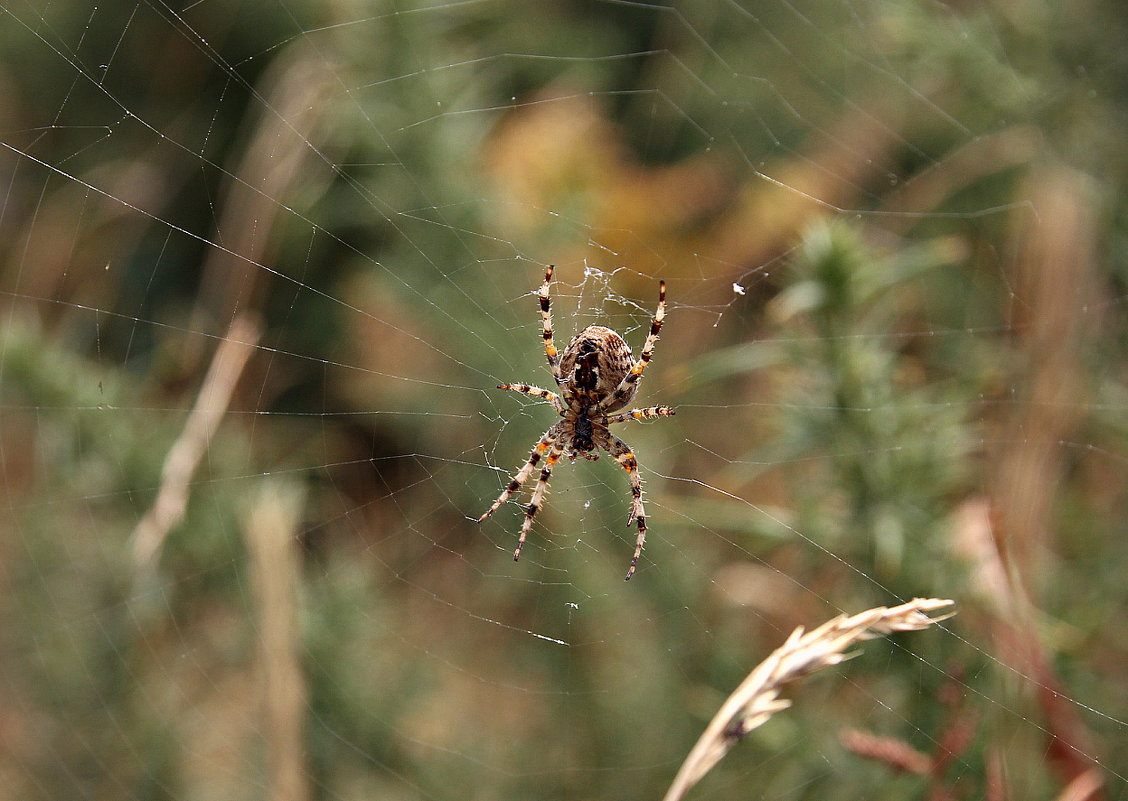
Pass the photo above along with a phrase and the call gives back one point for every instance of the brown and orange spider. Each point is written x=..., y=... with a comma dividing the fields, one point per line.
x=596, y=376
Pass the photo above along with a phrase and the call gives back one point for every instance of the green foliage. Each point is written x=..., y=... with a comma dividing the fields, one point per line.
x=896, y=441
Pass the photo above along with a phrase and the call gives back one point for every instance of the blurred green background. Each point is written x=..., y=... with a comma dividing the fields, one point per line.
x=893, y=235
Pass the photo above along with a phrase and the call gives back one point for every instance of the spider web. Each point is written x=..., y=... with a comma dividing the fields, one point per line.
x=264, y=264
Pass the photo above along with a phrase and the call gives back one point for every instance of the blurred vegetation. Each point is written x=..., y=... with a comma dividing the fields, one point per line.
x=917, y=389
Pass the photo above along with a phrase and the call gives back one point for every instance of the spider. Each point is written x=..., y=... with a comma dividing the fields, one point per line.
x=596, y=376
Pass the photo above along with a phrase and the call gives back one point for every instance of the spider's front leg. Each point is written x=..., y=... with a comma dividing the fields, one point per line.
x=626, y=389
x=624, y=456
x=546, y=325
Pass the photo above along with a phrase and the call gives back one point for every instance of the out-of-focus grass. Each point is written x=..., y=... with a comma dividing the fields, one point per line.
x=928, y=402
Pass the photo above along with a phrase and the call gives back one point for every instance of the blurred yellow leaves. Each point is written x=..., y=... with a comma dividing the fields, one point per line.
x=563, y=155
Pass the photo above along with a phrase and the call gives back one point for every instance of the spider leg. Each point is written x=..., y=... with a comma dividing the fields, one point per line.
x=546, y=320
x=537, y=392
x=624, y=456
x=538, y=494
x=621, y=392
x=649, y=413
x=522, y=475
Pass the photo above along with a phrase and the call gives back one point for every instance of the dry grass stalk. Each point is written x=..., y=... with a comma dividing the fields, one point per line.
x=980, y=540
x=279, y=166
x=184, y=457
x=1052, y=279
x=269, y=528
x=895, y=754
x=757, y=698
x=1084, y=787
x=955, y=737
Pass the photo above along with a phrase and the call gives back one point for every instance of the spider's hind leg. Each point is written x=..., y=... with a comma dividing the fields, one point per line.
x=625, y=457
x=538, y=495
x=523, y=474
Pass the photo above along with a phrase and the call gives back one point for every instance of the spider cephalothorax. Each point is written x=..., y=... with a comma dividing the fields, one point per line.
x=596, y=375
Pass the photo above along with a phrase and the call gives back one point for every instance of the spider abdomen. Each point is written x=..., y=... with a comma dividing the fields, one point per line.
x=594, y=365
